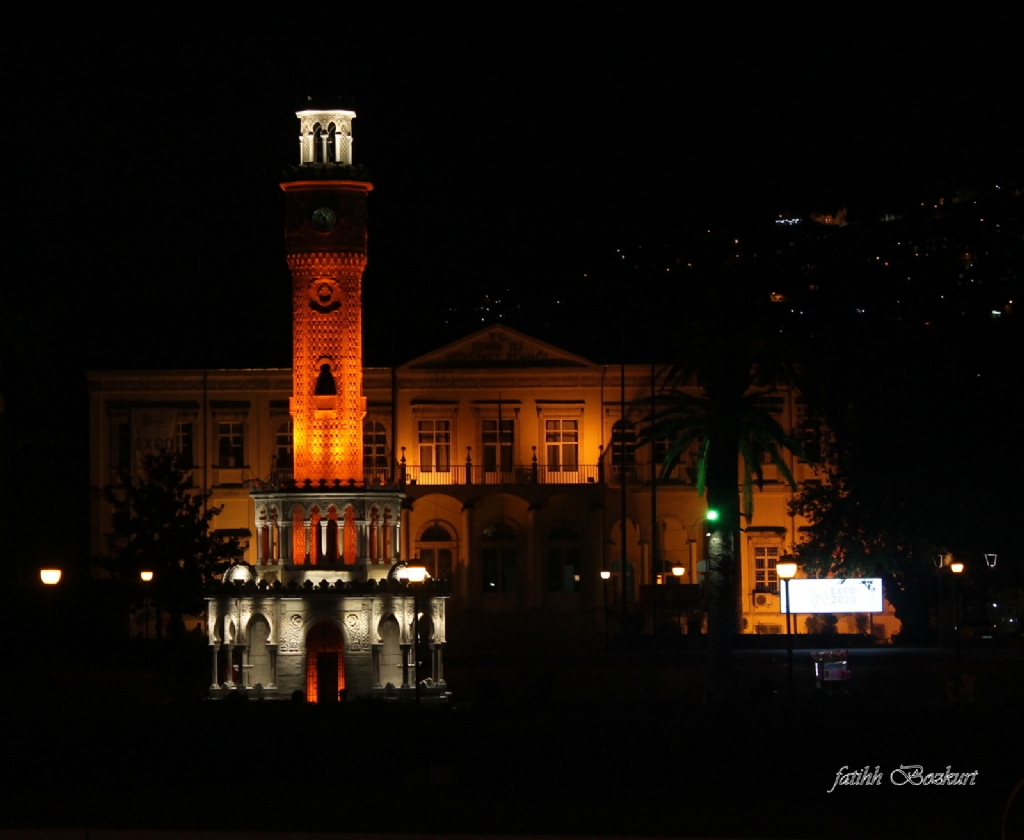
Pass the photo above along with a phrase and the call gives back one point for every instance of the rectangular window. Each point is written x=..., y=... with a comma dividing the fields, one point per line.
x=624, y=437
x=183, y=443
x=803, y=430
x=662, y=446
x=438, y=562
x=500, y=570
x=284, y=446
x=375, y=448
x=124, y=446
x=564, y=569
x=766, y=579
x=230, y=449
x=498, y=446
x=562, y=438
x=435, y=439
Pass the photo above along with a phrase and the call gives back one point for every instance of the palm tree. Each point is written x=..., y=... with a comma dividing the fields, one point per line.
x=732, y=423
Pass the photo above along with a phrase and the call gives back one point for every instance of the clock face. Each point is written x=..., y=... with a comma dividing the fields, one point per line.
x=324, y=219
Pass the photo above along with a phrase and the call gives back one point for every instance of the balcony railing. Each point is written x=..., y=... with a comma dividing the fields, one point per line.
x=416, y=475
x=464, y=474
x=375, y=477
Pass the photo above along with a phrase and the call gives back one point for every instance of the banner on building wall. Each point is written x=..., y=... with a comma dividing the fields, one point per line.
x=833, y=595
x=153, y=431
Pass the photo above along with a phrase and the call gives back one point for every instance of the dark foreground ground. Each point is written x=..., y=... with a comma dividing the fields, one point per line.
x=600, y=744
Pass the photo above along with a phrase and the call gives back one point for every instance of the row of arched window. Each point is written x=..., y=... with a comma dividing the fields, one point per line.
x=326, y=143
x=501, y=557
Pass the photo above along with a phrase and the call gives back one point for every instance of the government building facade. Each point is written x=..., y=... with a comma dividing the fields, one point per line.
x=497, y=462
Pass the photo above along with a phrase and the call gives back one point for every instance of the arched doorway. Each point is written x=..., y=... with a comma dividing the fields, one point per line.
x=325, y=663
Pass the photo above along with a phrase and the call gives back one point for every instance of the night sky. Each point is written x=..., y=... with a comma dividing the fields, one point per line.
x=511, y=153
x=514, y=154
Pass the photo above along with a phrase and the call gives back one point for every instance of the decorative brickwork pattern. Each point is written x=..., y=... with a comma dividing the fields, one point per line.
x=327, y=277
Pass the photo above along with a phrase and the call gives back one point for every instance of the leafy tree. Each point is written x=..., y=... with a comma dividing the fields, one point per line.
x=732, y=423
x=863, y=527
x=162, y=524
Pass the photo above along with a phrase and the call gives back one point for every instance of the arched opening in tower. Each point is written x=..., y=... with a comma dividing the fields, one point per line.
x=318, y=148
x=316, y=548
x=331, y=132
x=349, y=549
x=331, y=555
x=299, y=536
x=325, y=384
x=325, y=663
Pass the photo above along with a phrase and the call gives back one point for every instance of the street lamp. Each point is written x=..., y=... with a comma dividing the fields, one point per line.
x=415, y=575
x=146, y=577
x=940, y=561
x=957, y=569
x=605, y=577
x=50, y=579
x=785, y=568
x=679, y=571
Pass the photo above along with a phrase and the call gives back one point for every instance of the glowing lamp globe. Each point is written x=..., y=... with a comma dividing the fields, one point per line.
x=786, y=568
x=679, y=571
x=51, y=577
x=956, y=567
x=146, y=576
x=414, y=574
x=605, y=574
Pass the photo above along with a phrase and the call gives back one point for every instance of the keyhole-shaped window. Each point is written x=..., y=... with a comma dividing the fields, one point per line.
x=325, y=384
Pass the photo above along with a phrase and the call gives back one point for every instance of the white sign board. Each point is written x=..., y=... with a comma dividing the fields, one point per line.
x=833, y=595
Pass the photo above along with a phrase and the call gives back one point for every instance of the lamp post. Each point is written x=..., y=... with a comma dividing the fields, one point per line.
x=146, y=576
x=957, y=569
x=50, y=578
x=991, y=591
x=605, y=577
x=679, y=571
x=786, y=569
x=940, y=560
x=415, y=575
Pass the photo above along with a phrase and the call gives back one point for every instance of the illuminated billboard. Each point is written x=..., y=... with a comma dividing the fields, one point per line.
x=834, y=595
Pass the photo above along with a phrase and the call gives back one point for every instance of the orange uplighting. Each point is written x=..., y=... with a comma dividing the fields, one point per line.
x=327, y=266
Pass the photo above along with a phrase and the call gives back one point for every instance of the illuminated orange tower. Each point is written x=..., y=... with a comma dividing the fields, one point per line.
x=325, y=238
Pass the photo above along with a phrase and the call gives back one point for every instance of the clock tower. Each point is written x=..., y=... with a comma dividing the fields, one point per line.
x=325, y=238
x=324, y=611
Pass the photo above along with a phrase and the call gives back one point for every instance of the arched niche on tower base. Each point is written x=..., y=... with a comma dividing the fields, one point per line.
x=258, y=633
x=390, y=635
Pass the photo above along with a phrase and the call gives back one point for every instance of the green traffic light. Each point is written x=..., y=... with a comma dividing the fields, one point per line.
x=712, y=515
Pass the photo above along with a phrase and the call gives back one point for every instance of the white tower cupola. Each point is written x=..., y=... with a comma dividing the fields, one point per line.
x=325, y=137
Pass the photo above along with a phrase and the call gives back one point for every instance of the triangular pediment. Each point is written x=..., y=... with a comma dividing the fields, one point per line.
x=498, y=347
